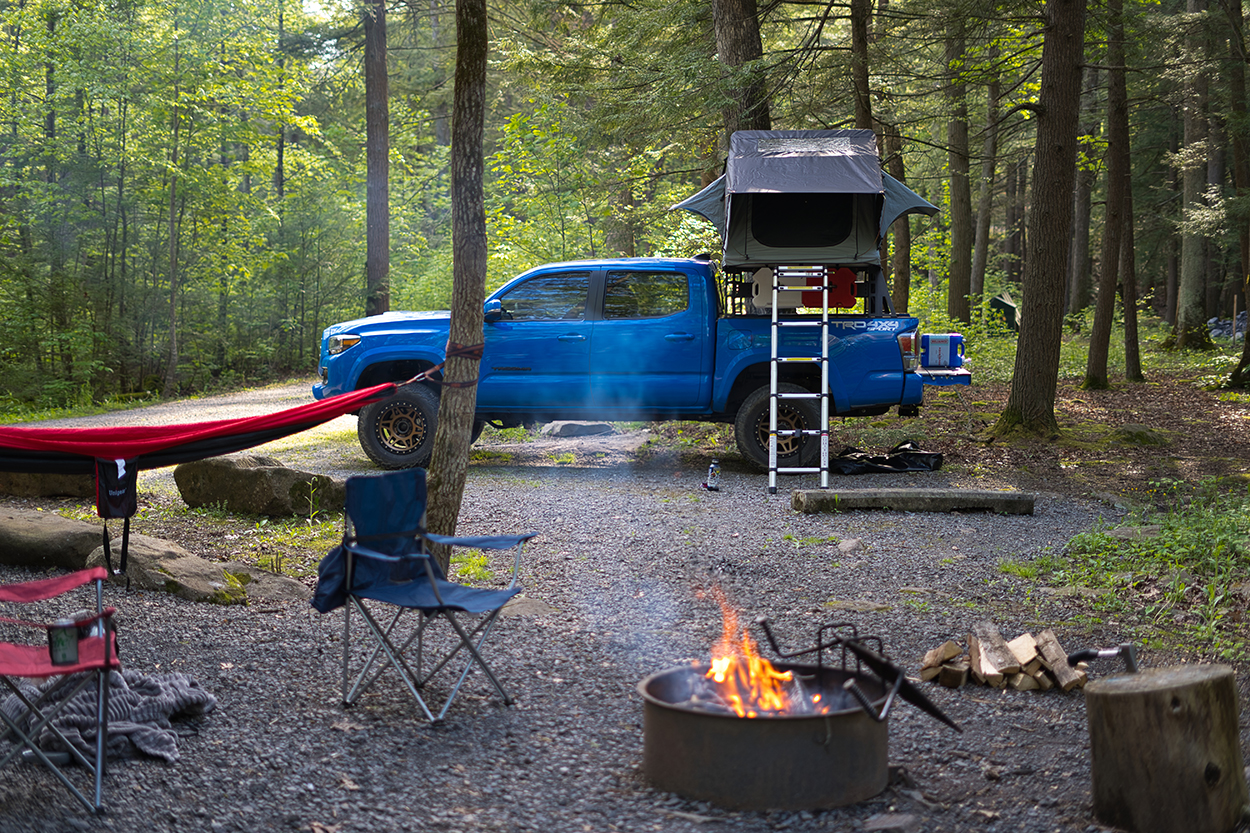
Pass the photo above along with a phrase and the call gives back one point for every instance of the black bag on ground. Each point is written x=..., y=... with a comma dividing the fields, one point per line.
x=906, y=456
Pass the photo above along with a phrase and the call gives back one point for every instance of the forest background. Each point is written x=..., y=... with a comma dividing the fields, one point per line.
x=183, y=186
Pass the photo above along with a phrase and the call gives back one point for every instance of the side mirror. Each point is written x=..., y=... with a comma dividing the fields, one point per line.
x=492, y=311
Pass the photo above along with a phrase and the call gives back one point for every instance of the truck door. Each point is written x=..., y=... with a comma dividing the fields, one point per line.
x=651, y=347
x=539, y=353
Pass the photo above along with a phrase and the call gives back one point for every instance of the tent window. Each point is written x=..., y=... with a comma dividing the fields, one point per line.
x=789, y=221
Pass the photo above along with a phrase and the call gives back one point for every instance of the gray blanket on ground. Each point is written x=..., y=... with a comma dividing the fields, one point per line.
x=140, y=710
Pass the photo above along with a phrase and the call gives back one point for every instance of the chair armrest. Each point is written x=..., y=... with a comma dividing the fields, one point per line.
x=50, y=588
x=366, y=552
x=490, y=542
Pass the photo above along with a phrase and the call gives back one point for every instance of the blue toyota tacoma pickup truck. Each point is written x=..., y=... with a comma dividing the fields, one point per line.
x=627, y=339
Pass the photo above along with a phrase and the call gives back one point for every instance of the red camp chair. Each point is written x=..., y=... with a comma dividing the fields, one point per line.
x=86, y=651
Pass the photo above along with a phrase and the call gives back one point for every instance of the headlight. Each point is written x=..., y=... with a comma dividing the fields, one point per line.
x=337, y=344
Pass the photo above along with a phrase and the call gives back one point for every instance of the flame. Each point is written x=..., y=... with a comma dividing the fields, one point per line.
x=749, y=683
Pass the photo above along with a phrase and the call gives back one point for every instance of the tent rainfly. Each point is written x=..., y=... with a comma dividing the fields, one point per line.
x=803, y=197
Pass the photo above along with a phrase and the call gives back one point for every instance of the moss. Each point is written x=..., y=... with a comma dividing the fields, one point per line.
x=235, y=592
x=228, y=596
x=1139, y=435
x=240, y=579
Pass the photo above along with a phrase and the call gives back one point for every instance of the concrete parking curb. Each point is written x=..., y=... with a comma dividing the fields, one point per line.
x=912, y=500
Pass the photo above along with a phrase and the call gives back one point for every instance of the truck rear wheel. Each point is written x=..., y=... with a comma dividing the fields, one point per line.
x=398, y=433
x=751, y=428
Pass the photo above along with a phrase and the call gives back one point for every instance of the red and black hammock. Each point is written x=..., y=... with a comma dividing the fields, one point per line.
x=115, y=455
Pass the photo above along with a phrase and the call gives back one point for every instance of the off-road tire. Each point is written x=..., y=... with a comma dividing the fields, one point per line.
x=751, y=429
x=398, y=433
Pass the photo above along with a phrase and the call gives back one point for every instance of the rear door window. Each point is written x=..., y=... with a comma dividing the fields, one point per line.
x=632, y=295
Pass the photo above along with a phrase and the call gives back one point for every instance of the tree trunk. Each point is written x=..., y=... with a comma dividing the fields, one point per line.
x=1191, y=324
x=1015, y=220
x=738, y=43
x=378, y=165
x=1031, y=403
x=1128, y=289
x=861, y=10
x=170, y=382
x=1240, y=376
x=279, y=168
x=1079, y=265
x=449, y=465
x=1214, y=246
x=985, y=201
x=1172, y=279
x=901, y=259
x=1118, y=183
x=960, y=268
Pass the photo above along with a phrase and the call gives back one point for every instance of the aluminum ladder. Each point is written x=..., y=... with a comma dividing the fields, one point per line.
x=790, y=279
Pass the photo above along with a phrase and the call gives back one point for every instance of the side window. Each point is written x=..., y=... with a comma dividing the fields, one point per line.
x=645, y=294
x=550, y=297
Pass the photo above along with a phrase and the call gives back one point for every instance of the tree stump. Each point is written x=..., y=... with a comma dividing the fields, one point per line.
x=1166, y=750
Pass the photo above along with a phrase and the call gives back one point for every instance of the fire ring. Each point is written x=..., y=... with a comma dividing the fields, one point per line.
x=779, y=762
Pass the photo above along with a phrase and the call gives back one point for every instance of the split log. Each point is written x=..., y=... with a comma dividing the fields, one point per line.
x=1056, y=659
x=1165, y=750
x=983, y=669
x=1024, y=649
x=946, y=651
x=994, y=648
x=954, y=674
x=1023, y=682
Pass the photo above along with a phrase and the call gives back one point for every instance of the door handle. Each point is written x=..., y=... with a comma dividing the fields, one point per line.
x=679, y=337
x=567, y=337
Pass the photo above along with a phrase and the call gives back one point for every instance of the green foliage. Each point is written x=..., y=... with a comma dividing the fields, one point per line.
x=243, y=140
x=1178, y=580
x=472, y=566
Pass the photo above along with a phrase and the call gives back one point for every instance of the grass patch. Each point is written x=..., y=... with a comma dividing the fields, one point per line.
x=1176, y=582
x=1020, y=569
x=482, y=455
x=809, y=541
x=518, y=434
x=471, y=566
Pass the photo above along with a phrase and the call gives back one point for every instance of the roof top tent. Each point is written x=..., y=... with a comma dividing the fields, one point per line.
x=807, y=198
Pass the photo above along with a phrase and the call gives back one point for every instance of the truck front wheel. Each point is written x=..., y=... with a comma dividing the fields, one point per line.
x=751, y=429
x=398, y=433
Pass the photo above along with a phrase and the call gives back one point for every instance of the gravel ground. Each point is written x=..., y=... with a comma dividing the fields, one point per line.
x=625, y=554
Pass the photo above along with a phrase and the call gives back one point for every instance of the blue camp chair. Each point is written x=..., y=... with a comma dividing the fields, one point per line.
x=384, y=561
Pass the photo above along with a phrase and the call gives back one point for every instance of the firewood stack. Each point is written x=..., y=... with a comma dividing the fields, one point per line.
x=1026, y=663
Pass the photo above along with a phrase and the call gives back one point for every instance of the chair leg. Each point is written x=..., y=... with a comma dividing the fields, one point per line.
x=347, y=647
x=475, y=657
x=28, y=741
x=101, y=733
x=394, y=658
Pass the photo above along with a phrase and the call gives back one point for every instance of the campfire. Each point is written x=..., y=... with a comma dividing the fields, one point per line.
x=741, y=682
x=748, y=733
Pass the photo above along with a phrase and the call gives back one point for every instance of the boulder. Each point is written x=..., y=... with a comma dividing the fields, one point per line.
x=40, y=540
x=36, y=484
x=153, y=564
x=565, y=428
x=257, y=485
